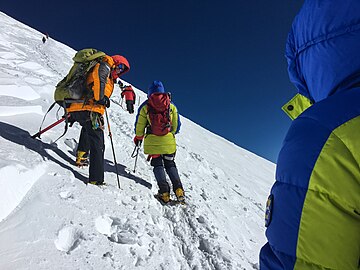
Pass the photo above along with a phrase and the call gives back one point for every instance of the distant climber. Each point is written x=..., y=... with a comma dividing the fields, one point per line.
x=129, y=95
x=45, y=37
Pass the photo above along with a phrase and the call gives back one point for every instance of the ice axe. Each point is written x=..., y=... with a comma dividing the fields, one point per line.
x=41, y=131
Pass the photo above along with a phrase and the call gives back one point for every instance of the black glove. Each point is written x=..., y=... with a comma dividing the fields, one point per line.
x=121, y=85
x=104, y=101
x=71, y=121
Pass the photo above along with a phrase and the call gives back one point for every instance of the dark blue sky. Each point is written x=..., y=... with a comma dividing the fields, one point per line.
x=223, y=61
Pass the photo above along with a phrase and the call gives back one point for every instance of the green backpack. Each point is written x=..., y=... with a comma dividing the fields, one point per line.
x=73, y=85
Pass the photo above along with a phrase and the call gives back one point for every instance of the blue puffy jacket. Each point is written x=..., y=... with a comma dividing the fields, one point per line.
x=313, y=212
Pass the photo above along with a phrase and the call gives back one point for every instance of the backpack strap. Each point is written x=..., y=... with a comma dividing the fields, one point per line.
x=66, y=115
x=42, y=122
x=65, y=128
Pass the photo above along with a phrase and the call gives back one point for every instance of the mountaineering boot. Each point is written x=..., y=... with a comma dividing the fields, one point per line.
x=96, y=183
x=82, y=159
x=165, y=197
x=179, y=192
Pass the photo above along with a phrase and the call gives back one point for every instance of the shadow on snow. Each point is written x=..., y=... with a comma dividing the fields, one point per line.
x=22, y=137
x=110, y=167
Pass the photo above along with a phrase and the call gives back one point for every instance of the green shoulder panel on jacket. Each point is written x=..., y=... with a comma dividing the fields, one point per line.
x=330, y=205
x=296, y=106
x=141, y=122
x=174, y=118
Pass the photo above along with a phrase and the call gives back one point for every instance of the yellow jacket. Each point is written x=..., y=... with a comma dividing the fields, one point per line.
x=154, y=144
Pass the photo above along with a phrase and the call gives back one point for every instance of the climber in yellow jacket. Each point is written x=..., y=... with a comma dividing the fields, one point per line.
x=157, y=122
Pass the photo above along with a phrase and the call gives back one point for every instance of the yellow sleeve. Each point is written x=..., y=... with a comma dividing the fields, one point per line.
x=141, y=122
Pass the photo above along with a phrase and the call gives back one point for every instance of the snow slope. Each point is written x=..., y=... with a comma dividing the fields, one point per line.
x=49, y=219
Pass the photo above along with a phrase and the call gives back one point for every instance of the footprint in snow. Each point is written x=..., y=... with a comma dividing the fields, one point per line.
x=71, y=143
x=68, y=239
x=66, y=195
x=115, y=230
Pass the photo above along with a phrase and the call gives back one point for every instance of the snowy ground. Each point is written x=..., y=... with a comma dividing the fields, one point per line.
x=49, y=219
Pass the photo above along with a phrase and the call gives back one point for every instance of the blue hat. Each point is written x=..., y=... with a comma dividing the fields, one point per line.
x=156, y=87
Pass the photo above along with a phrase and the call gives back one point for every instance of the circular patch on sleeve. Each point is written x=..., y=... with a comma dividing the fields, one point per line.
x=268, y=210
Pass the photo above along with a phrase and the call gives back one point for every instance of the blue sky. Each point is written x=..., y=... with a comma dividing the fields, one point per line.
x=223, y=61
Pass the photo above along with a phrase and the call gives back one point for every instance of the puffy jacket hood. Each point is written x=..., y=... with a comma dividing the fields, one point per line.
x=322, y=49
x=118, y=59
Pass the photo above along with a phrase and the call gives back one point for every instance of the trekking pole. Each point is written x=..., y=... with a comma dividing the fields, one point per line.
x=121, y=103
x=41, y=131
x=112, y=146
x=135, y=155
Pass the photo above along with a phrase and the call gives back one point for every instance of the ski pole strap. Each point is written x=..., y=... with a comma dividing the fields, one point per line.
x=112, y=147
x=135, y=152
x=121, y=101
x=108, y=124
x=135, y=155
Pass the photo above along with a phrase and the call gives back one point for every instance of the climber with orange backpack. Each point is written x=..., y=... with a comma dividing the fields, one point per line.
x=85, y=94
x=157, y=122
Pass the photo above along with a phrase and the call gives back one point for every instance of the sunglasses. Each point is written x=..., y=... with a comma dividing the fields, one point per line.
x=121, y=67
